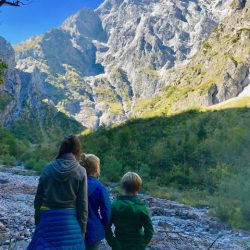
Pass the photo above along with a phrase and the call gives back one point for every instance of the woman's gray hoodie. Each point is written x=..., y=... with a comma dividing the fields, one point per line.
x=63, y=184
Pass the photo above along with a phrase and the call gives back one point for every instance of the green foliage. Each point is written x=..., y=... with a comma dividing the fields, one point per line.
x=206, y=45
x=112, y=168
x=233, y=58
x=193, y=197
x=29, y=164
x=8, y=160
x=151, y=72
x=50, y=127
x=3, y=66
x=13, y=150
x=106, y=95
x=194, y=152
x=5, y=99
x=231, y=202
x=36, y=162
x=38, y=137
x=10, y=147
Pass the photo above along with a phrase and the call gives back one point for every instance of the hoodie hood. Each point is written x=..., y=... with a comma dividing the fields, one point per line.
x=62, y=169
x=132, y=198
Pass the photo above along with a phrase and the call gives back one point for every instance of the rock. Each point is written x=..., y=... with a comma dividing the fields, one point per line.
x=177, y=226
x=157, y=211
x=3, y=229
x=20, y=94
x=238, y=4
x=3, y=181
x=97, y=64
x=217, y=74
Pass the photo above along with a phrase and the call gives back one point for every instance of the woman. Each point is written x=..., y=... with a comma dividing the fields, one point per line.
x=61, y=202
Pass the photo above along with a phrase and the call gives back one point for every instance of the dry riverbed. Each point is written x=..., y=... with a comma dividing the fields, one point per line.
x=177, y=226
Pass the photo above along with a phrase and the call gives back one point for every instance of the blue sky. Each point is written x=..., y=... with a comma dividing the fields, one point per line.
x=18, y=24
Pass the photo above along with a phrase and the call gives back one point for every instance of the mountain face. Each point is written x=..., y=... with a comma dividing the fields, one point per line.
x=21, y=107
x=12, y=83
x=98, y=64
x=219, y=71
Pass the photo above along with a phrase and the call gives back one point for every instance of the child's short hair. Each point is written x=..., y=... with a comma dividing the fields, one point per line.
x=131, y=182
x=91, y=163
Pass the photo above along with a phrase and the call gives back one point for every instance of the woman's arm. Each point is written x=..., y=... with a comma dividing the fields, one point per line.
x=82, y=204
x=38, y=202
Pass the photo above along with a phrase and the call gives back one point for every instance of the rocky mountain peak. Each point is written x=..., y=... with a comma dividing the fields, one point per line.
x=97, y=64
x=85, y=23
x=7, y=53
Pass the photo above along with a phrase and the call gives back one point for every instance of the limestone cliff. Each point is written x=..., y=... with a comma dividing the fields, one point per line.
x=97, y=64
x=21, y=106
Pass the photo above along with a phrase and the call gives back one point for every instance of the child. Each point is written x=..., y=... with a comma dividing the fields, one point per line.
x=99, y=205
x=130, y=217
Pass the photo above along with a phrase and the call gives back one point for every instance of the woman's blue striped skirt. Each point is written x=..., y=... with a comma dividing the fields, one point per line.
x=58, y=230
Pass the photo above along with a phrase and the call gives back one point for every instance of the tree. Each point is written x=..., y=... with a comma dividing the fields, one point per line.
x=13, y=3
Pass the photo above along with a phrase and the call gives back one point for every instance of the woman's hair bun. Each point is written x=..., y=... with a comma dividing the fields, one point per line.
x=83, y=158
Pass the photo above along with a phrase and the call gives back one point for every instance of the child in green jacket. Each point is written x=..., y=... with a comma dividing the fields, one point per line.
x=130, y=217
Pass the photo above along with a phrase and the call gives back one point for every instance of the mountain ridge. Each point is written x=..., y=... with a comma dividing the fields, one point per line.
x=21, y=108
x=97, y=79
x=217, y=73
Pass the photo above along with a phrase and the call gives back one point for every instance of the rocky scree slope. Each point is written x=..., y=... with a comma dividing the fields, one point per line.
x=98, y=63
x=21, y=106
x=218, y=72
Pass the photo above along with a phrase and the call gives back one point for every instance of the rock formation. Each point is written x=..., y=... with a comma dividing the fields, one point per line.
x=96, y=65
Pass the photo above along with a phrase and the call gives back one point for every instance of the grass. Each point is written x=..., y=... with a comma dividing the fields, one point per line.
x=106, y=95
x=151, y=72
x=234, y=58
x=195, y=198
x=242, y=102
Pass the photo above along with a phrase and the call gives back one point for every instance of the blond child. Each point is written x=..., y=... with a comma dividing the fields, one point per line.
x=99, y=205
x=130, y=217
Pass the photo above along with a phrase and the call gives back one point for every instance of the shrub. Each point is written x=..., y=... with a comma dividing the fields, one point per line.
x=30, y=164
x=39, y=165
x=8, y=160
x=3, y=66
x=112, y=169
x=231, y=202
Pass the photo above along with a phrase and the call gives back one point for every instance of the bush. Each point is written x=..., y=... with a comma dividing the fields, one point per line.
x=39, y=165
x=112, y=169
x=8, y=160
x=30, y=164
x=231, y=202
x=193, y=152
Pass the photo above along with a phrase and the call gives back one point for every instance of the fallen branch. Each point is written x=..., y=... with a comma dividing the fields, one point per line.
x=219, y=236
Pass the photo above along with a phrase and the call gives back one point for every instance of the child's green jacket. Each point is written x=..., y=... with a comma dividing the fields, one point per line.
x=133, y=225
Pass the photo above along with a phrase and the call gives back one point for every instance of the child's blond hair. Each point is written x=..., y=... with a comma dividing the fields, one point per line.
x=91, y=163
x=131, y=182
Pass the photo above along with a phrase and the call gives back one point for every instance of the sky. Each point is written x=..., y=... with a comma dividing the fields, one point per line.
x=19, y=23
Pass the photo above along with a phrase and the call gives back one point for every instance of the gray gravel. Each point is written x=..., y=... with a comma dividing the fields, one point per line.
x=177, y=226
